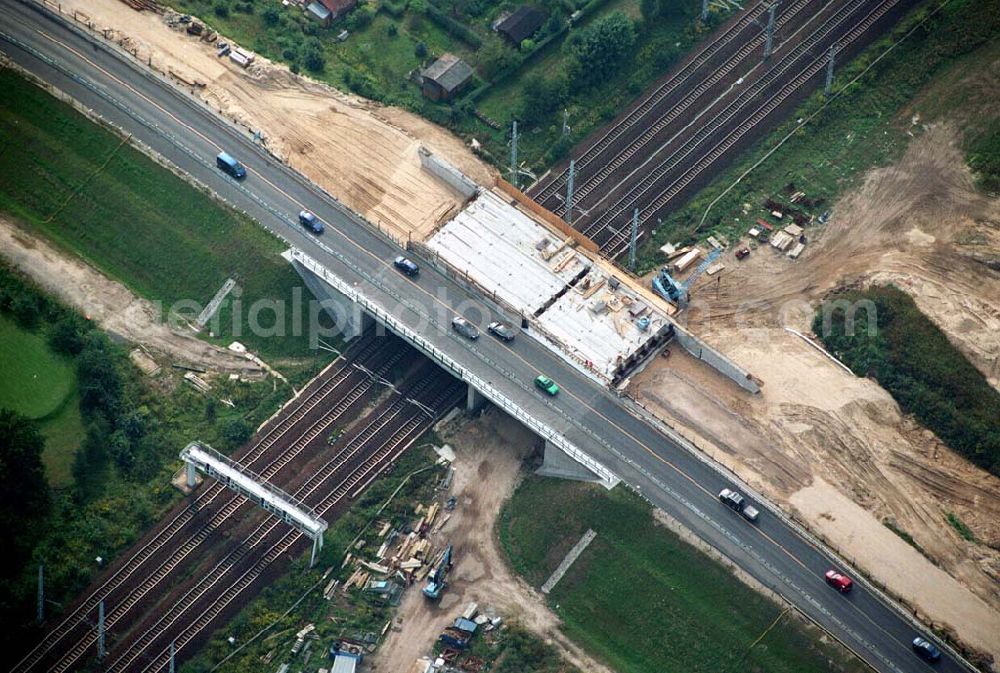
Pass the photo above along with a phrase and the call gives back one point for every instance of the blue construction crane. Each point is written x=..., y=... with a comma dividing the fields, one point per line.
x=437, y=579
x=670, y=288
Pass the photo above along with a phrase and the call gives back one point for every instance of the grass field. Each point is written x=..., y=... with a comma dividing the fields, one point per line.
x=643, y=600
x=33, y=380
x=929, y=76
x=42, y=385
x=131, y=218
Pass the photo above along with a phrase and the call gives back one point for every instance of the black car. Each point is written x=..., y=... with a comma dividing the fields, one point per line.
x=501, y=331
x=407, y=266
x=925, y=649
x=465, y=328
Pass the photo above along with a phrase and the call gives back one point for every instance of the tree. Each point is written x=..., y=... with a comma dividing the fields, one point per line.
x=650, y=9
x=312, y=55
x=221, y=10
x=599, y=51
x=26, y=309
x=420, y=50
x=68, y=334
x=24, y=497
x=418, y=6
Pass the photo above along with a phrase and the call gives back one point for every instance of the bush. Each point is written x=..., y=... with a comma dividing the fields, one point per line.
x=392, y=30
x=270, y=16
x=221, y=10
x=497, y=59
x=914, y=361
x=542, y=96
x=420, y=50
x=454, y=28
x=236, y=433
x=361, y=17
x=984, y=159
x=393, y=9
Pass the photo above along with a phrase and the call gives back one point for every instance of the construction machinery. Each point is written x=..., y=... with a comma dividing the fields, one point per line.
x=677, y=291
x=437, y=580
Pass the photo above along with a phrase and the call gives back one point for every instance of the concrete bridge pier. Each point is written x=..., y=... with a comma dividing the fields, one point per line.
x=347, y=315
x=474, y=400
x=557, y=464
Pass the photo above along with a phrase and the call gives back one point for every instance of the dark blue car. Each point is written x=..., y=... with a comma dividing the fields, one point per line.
x=310, y=222
x=925, y=649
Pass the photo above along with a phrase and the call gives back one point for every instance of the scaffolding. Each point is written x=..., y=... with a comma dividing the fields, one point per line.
x=203, y=458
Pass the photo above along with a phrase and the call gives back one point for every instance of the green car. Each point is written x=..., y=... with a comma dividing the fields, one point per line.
x=547, y=384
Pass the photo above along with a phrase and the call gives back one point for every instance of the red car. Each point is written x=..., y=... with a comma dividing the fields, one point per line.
x=841, y=583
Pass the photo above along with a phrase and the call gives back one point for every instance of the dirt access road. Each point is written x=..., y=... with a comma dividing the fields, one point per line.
x=834, y=449
x=112, y=305
x=488, y=455
x=363, y=153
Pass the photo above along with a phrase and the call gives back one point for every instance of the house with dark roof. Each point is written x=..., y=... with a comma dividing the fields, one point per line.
x=338, y=8
x=522, y=24
x=445, y=77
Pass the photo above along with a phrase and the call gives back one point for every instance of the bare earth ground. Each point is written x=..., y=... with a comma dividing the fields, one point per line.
x=361, y=152
x=834, y=449
x=111, y=304
x=488, y=455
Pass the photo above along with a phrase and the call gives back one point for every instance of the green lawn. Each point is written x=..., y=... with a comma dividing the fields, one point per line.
x=643, y=600
x=36, y=382
x=137, y=222
x=33, y=380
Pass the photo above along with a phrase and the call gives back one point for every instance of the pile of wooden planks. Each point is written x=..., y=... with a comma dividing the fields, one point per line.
x=144, y=5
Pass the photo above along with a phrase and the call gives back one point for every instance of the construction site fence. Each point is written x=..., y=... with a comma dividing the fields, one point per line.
x=551, y=218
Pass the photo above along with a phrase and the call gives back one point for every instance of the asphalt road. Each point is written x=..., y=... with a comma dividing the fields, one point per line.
x=673, y=478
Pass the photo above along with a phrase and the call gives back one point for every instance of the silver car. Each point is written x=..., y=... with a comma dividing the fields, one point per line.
x=465, y=328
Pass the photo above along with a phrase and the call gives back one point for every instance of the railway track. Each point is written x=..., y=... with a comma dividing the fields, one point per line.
x=379, y=443
x=689, y=160
x=294, y=424
x=546, y=188
x=587, y=184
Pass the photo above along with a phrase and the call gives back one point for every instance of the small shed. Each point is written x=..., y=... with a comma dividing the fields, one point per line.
x=318, y=12
x=522, y=24
x=338, y=8
x=445, y=77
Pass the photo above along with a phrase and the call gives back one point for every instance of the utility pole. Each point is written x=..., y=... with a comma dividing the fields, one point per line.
x=41, y=593
x=173, y=665
x=100, y=631
x=565, y=128
x=569, y=192
x=704, y=9
x=829, y=71
x=633, y=239
x=513, y=155
x=769, y=43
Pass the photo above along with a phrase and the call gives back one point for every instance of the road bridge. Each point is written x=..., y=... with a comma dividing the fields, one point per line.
x=608, y=430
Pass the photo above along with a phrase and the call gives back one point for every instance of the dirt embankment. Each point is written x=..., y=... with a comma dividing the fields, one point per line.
x=363, y=153
x=488, y=455
x=111, y=304
x=833, y=448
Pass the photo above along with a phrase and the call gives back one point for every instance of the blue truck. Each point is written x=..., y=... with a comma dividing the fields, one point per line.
x=230, y=165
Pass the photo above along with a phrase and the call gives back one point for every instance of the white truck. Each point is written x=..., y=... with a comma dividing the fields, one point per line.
x=737, y=502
